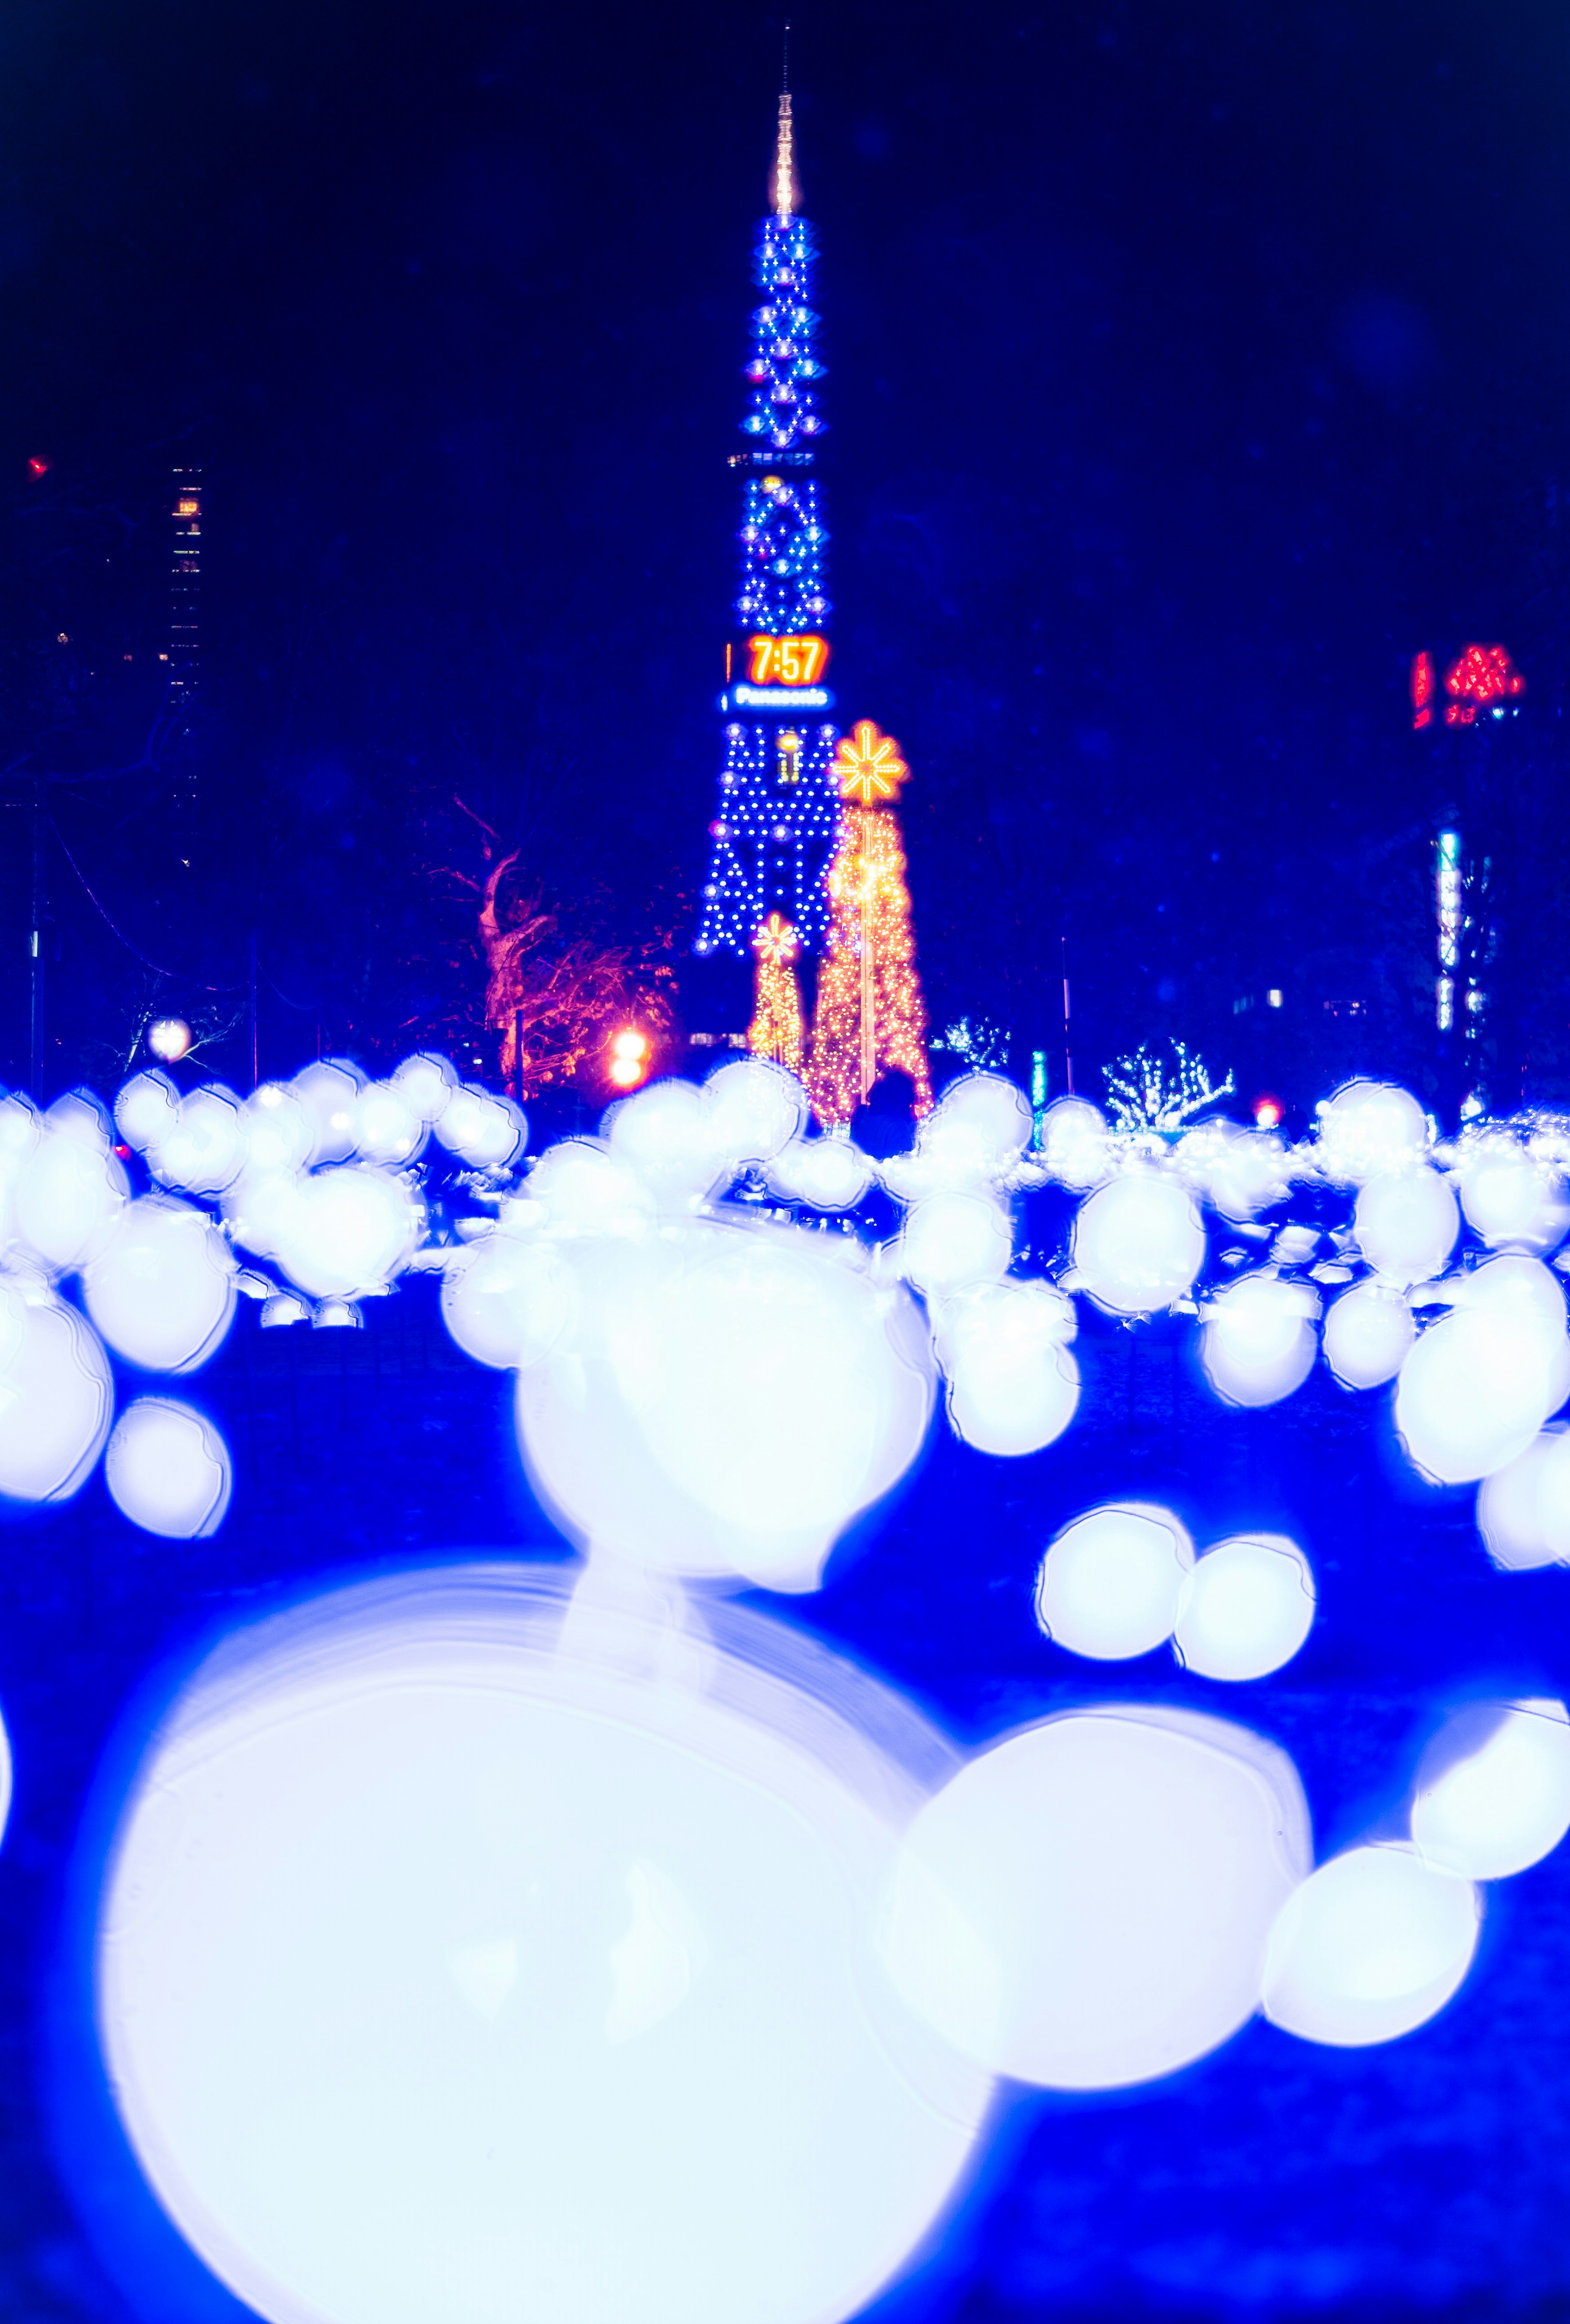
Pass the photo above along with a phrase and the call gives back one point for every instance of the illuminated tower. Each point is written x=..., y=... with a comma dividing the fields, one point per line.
x=773, y=831
x=185, y=596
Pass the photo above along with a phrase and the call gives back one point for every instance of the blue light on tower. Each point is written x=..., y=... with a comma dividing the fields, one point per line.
x=774, y=828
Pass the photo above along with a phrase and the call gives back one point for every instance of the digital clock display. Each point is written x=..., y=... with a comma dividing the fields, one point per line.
x=787, y=662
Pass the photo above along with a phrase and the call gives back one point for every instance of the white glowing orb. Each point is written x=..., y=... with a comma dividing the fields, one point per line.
x=162, y=1292
x=281, y=1131
x=1087, y=1905
x=1369, y=1333
x=1258, y=1342
x=169, y=1037
x=952, y=1240
x=726, y=1400
x=827, y=1174
x=1246, y=1608
x=511, y=1300
x=484, y=1982
x=426, y=1083
x=343, y=1230
x=1012, y=1385
x=168, y=1468
x=1494, y=1793
x=329, y=1093
x=56, y=1398
x=389, y=1127
x=1517, y=1504
x=665, y=1135
x=70, y=1189
x=1367, y=1128
x=1511, y=1200
x=1112, y=1584
x=146, y=1110
x=1372, y=1944
x=487, y=1132
x=1138, y=1244
x=1479, y=1385
x=977, y=1131
x=1076, y=1143
x=1406, y=1224
x=205, y=1149
x=754, y=1109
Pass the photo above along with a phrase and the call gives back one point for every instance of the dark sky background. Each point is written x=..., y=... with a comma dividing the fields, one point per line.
x=1189, y=370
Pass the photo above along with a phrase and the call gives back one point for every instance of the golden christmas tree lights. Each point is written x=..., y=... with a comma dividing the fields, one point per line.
x=871, y=1016
x=777, y=1029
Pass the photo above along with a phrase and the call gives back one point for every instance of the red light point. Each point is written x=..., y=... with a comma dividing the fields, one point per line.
x=1267, y=1110
x=40, y=464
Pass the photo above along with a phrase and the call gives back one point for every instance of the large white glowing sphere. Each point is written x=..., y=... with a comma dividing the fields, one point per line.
x=1138, y=1244
x=389, y=1127
x=70, y=1189
x=726, y=1401
x=1110, y=1585
x=1246, y=1608
x=168, y=1468
x=1257, y=1344
x=754, y=1109
x=146, y=1110
x=56, y=1398
x=330, y=1093
x=486, y=1981
x=1516, y=1505
x=1088, y=1903
x=1367, y=1128
x=1012, y=1385
x=162, y=1292
x=827, y=1174
x=511, y=1302
x=977, y=1131
x=426, y=1083
x=1372, y=1945
x=205, y=1151
x=281, y=1131
x=1406, y=1222
x=1493, y=1792
x=1479, y=1384
x=344, y=1228
x=1369, y=1333
x=1511, y=1200
x=665, y=1136
x=1075, y=1143
x=486, y=1132
x=954, y=1240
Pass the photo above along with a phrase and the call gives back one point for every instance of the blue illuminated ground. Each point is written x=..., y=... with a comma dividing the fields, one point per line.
x=1429, y=2178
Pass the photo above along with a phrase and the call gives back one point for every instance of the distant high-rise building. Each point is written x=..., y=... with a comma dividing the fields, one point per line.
x=185, y=593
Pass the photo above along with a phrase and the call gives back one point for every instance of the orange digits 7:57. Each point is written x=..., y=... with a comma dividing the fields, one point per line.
x=787, y=662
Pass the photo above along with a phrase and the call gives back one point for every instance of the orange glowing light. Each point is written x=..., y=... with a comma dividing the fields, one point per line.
x=40, y=464
x=788, y=661
x=867, y=765
x=629, y=1058
x=1268, y=1110
x=775, y=942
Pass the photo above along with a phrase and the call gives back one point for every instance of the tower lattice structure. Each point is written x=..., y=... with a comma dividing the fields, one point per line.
x=774, y=828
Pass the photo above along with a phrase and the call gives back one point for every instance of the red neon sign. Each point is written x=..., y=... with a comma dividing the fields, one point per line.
x=1422, y=688
x=1483, y=676
x=788, y=661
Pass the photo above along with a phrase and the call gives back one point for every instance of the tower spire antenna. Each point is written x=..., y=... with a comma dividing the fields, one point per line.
x=784, y=160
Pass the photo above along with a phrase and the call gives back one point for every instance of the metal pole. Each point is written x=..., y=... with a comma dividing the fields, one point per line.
x=518, y=1051
x=1067, y=1059
x=35, y=997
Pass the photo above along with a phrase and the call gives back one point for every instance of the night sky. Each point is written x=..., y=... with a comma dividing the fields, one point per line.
x=1188, y=371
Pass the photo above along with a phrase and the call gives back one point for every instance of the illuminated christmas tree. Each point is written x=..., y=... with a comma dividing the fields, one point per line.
x=871, y=1016
x=774, y=830
x=777, y=1030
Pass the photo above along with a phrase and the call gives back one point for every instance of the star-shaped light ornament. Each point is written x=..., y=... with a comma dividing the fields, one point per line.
x=868, y=766
x=775, y=942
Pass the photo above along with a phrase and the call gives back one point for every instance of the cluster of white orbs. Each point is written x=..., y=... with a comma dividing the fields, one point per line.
x=1123, y=1580
x=1053, y=1910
